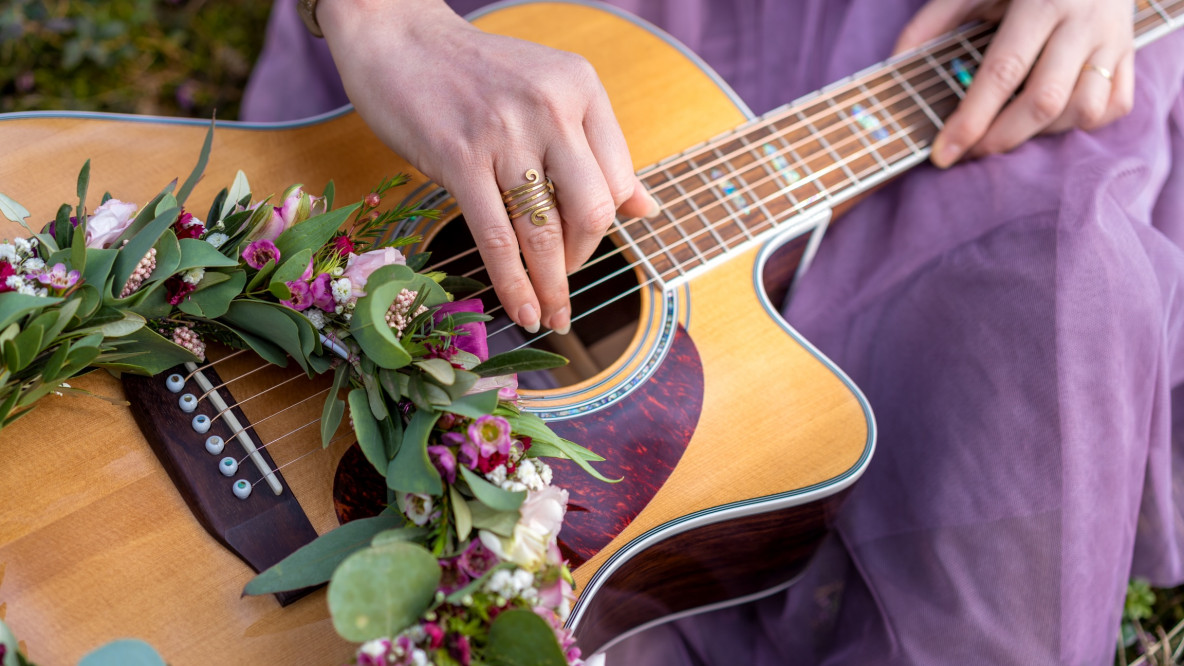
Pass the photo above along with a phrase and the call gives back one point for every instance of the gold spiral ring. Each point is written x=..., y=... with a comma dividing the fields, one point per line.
x=534, y=198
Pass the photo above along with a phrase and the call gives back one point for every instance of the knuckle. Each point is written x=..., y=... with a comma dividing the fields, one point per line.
x=1006, y=71
x=596, y=219
x=494, y=239
x=544, y=239
x=1048, y=101
x=1091, y=113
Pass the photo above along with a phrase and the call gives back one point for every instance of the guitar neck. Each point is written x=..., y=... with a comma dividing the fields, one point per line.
x=821, y=150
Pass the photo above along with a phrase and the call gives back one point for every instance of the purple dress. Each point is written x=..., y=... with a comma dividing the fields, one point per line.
x=1015, y=323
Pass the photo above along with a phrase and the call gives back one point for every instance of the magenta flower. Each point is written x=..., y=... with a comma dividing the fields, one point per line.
x=6, y=271
x=491, y=434
x=322, y=292
x=374, y=653
x=301, y=295
x=343, y=246
x=445, y=462
x=473, y=334
x=188, y=226
x=458, y=648
x=58, y=278
x=435, y=635
x=258, y=253
x=477, y=559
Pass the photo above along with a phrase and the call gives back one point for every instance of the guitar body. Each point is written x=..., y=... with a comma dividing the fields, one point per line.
x=735, y=436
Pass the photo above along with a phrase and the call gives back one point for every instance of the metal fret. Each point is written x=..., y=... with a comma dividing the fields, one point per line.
x=970, y=49
x=857, y=130
x=917, y=98
x=745, y=187
x=661, y=245
x=631, y=242
x=891, y=120
x=798, y=161
x=699, y=214
x=1162, y=14
x=731, y=214
x=945, y=77
x=763, y=160
x=817, y=136
x=682, y=232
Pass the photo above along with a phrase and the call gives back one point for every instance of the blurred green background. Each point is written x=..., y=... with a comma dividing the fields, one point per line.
x=162, y=57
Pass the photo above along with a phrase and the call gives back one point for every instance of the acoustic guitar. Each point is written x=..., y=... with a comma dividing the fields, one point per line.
x=736, y=439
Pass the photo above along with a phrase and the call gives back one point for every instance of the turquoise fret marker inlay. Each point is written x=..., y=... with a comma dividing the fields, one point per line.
x=729, y=189
x=869, y=122
x=962, y=73
x=781, y=164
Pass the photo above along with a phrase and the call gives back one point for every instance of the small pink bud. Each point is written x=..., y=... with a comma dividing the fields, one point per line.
x=373, y=199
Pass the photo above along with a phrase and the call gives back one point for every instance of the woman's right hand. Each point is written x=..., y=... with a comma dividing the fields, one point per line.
x=475, y=111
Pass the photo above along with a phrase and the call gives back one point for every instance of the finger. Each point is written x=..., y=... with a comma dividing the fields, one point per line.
x=1008, y=60
x=612, y=154
x=1122, y=93
x=1046, y=93
x=1090, y=103
x=586, y=205
x=542, y=246
x=935, y=19
x=481, y=202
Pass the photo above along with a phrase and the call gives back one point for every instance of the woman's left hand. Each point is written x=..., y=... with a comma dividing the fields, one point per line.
x=1073, y=58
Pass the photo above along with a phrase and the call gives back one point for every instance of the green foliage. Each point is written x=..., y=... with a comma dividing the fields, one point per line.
x=126, y=652
x=382, y=590
x=173, y=58
x=521, y=638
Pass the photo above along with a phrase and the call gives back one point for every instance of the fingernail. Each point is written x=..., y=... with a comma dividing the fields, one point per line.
x=654, y=209
x=561, y=321
x=946, y=154
x=528, y=318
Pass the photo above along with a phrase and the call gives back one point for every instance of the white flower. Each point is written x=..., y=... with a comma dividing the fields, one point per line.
x=416, y=506
x=347, y=316
x=108, y=222
x=419, y=658
x=316, y=317
x=376, y=649
x=33, y=265
x=337, y=271
x=23, y=246
x=193, y=275
x=25, y=288
x=342, y=290
x=497, y=475
x=217, y=239
x=15, y=282
x=541, y=517
x=528, y=474
x=8, y=253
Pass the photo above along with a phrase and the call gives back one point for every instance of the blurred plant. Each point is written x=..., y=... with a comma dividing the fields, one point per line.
x=178, y=57
x=1149, y=615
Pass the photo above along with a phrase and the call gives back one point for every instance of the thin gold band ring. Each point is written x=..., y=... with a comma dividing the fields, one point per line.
x=534, y=198
x=1105, y=73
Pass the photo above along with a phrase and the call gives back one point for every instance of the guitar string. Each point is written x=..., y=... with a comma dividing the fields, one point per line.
x=209, y=365
x=230, y=381
x=300, y=457
x=770, y=120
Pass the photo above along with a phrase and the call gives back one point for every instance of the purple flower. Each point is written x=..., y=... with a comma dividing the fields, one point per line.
x=258, y=253
x=491, y=434
x=458, y=648
x=301, y=295
x=322, y=292
x=435, y=635
x=467, y=454
x=374, y=653
x=445, y=462
x=58, y=278
x=477, y=559
x=474, y=342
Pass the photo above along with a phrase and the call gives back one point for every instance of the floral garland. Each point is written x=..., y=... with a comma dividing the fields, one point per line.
x=466, y=551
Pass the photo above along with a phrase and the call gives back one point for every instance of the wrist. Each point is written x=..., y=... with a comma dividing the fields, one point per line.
x=344, y=21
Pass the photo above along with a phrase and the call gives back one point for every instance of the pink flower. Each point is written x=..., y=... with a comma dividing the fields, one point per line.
x=374, y=653
x=177, y=289
x=458, y=648
x=362, y=265
x=6, y=271
x=58, y=278
x=540, y=518
x=435, y=635
x=322, y=292
x=473, y=334
x=258, y=253
x=477, y=559
x=108, y=222
x=444, y=460
x=295, y=209
x=491, y=434
x=188, y=226
x=301, y=295
x=343, y=245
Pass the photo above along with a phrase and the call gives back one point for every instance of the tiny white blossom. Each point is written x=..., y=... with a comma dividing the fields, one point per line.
x=341, y=289
x=25, y=288
x=8, y=253
x=23, y=246
x=193, y=275
x=33, y=241
x=419, y=658
x=33, y=265
x=217, y=239
x=544, y=471
x=497, y=475
x=316, y=317
x=337, y=271
x=14, y=282
x=416, y=506
x=42, y=292
x=528, y=475
x=347, y=316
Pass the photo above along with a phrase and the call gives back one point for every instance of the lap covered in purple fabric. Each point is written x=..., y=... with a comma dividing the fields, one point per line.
x=1016, y=324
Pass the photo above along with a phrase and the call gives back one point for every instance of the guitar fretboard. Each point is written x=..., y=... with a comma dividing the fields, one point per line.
x=821, y=150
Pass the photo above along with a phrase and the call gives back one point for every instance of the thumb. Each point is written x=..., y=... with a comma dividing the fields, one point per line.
x=933, y=20
x=640, y=203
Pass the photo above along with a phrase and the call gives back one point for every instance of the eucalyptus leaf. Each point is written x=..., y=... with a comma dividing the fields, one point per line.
x=412, y=471
x=314, y=232
x=439, y=369
x=238, y=189
x=130, y=323
x=313, y=563
x=369, y=326
x=203, y=158
x=292, y=267
x=131, y=254
x=519, y=360
x=265, y=320
x=14, y=211
x=462, y=518
x=83, y=184
x=213, y=302
x=489, y=494
x=457, y=284
x=522, y=638
x=533, y=427
x=499, y=522
x=98, y=267
x=198, y=253
x=401, y=534
x=14, y=305
x=380, y=591
x=366, y=427
x=475, y=405
x=123, y=652
x=330, y=191
x=334, y=409
x=154, y=353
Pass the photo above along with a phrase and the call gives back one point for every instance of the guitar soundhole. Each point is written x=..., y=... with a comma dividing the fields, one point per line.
x=605, y=305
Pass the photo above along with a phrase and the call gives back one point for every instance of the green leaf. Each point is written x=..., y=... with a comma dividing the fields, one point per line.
x=334, y=409
x=54, y=365
x=213, y=302
x=63, y=230
x=456, y=284
x=330, y=190
x=400, y=534
x=521, y=638
x=195, y=253
x=168, y=257
x=130, y=323
x=392, y=434
x=203, y=158
x=533, y=427
x=475, y=405
x=412, y=471
x=463, y=383
x=461, y=515
x=520, y=360
x=475, y=585
x=130, y=255
x=14, y=305
x=366, y=427
x=8, y=640
x=14, y=211
x=489, y=494
x=98, y=267
x=313, y=563
x=292, y=267
x=314, y=232
x=266, y=321
x=26, y=345
x=439, y=369
x=498, y=522
x=215, y=214
x=154, y=354
x=381, y=591
x=83, y=184
x=78, y=252
x=123, y=652
x=238, y=189
x=374, y=395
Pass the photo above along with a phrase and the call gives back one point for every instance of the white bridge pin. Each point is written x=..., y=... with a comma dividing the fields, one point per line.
x=228, y=466
x=215, y=444
x=174, y=383
x=188, y=403
x=242, y=489
x=201, y=423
